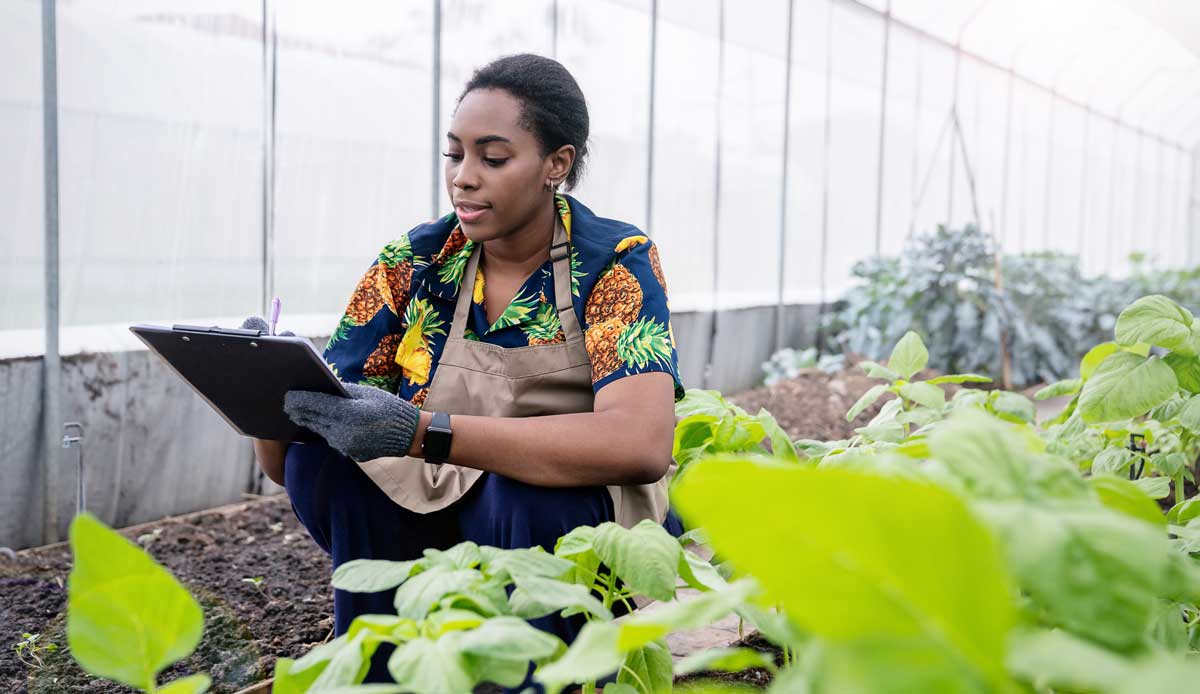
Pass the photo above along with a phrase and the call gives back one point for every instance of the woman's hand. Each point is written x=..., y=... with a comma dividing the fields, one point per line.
x=371, y=423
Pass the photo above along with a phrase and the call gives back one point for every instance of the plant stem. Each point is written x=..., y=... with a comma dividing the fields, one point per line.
x=1179, y=488
x=641, y=685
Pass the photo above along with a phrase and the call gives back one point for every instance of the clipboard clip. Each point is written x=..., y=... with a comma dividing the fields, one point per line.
x=243, y=332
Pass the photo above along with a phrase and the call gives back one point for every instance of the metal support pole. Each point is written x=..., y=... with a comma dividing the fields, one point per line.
x=915, y=172
x=780, y=313
x=1049, y=187
x=51, y=364
x=716, y=245
x=435, y=155
x=650, y=116
x=1003, y=235
x=1083, y=186
x=953, y=157
x=825, y=169
x=883, y=102
x=554, y=27
x=1112, y=203
x=269, y=78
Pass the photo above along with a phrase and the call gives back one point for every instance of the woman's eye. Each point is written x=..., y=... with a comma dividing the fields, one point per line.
x=452, y=155
x=495, y=162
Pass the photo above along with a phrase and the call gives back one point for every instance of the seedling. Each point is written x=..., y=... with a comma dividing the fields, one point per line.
x=30, y=652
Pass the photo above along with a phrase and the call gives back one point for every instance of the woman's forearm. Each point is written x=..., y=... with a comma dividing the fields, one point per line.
x=567, y=450
x=270, y=455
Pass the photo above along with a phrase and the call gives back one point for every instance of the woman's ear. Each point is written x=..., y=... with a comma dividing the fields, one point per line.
x=561, y=160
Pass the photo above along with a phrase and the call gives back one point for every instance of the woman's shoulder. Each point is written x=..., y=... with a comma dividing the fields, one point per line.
x=419, y=244
x=601, y=240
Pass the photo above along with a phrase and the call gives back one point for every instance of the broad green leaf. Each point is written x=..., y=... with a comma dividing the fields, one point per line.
x=781, y=443
x=1013, y=407
x=576, y=547
x=648, y=669
x=1187, y=370
x=1126, y=385
x=875, y=370
x=958, y=379
x=127, y=616
x=1089, y=570
x=372, y=575
x=725, y=660
x=890, y=432
x=449, y=619
x=1161, y=676
x=194, y=684
x=464, y=555
x=645, y=557
x=1059, y=389
x=1189, y=416
x=985, y=455
x=318, y=658
x=431, y=667
x=349, y=665
x=593, y=654
x=528, y=562
x=535, y=596
x=704, y=402
x=924, y=393
x=897, y=665
x=419, y=594
x=1126, y=497
x=868, y=398
x=1096, y=356
x=1112, y=461
x=935, y=577
x=287, y=682
x=1155, y=320
x=1171, y=464
x=363, y=689
x=619, y=688
x=908, y=356
x=1154, y=487
x=1183, y=513
x=510, y=638
x=698, y=573
x=1059, y=660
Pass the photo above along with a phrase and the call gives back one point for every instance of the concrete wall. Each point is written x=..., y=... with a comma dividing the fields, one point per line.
x=153, y=448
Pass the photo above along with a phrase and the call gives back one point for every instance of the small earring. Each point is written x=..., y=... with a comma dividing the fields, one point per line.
x=551, y=184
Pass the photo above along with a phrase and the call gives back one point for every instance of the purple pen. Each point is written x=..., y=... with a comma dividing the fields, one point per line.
x=276, y=304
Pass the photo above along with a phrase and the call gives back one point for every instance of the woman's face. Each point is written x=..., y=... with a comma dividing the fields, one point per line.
x=495, y=171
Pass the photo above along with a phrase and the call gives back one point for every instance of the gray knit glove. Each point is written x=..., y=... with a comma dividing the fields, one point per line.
x=260, y=324
x=371, y=423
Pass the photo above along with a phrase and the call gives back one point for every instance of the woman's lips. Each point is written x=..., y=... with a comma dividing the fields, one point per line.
x=470, y=213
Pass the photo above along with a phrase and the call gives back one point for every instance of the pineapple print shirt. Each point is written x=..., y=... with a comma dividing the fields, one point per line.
x=396, y=323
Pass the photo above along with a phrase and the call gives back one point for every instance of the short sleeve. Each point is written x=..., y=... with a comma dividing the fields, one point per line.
x=362, y=348
x=627, y=317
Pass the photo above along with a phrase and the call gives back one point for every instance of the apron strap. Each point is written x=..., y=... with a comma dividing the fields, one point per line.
x=560, y=254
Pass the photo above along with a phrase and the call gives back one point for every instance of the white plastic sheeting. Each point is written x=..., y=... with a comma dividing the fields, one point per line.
x=1066, y=125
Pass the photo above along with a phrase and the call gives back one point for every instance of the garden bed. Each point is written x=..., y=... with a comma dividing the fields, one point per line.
x=217, y=554
x=247, y=626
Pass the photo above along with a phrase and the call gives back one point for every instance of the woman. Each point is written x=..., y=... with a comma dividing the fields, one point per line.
x=549, y=384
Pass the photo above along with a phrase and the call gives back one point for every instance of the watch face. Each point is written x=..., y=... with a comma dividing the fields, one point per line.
x=437, y=444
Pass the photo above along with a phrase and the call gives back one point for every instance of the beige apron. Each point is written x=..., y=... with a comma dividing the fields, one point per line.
x=475, y=378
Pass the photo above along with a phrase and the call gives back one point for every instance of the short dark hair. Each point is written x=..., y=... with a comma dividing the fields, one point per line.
x=552, y=104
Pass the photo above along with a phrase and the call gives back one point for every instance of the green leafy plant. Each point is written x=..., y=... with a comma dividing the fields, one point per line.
x=32, y=653
x=128, y=618
x=461, y=615
x=708, y=424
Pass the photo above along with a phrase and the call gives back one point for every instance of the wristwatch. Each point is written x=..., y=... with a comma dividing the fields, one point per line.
x=436, y=446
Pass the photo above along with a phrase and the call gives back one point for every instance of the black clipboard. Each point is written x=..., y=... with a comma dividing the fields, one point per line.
x=244, y=374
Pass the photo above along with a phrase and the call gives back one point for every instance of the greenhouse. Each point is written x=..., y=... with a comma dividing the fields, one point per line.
x=811, y=346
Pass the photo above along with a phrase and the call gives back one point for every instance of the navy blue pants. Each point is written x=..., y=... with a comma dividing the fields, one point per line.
x=351, y=518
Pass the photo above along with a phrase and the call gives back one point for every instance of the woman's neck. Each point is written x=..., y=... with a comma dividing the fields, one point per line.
x=524, y=250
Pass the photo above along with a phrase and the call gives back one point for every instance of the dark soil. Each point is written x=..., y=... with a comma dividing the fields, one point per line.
x=246, y=627
x=813, y=405
x=757, y=677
